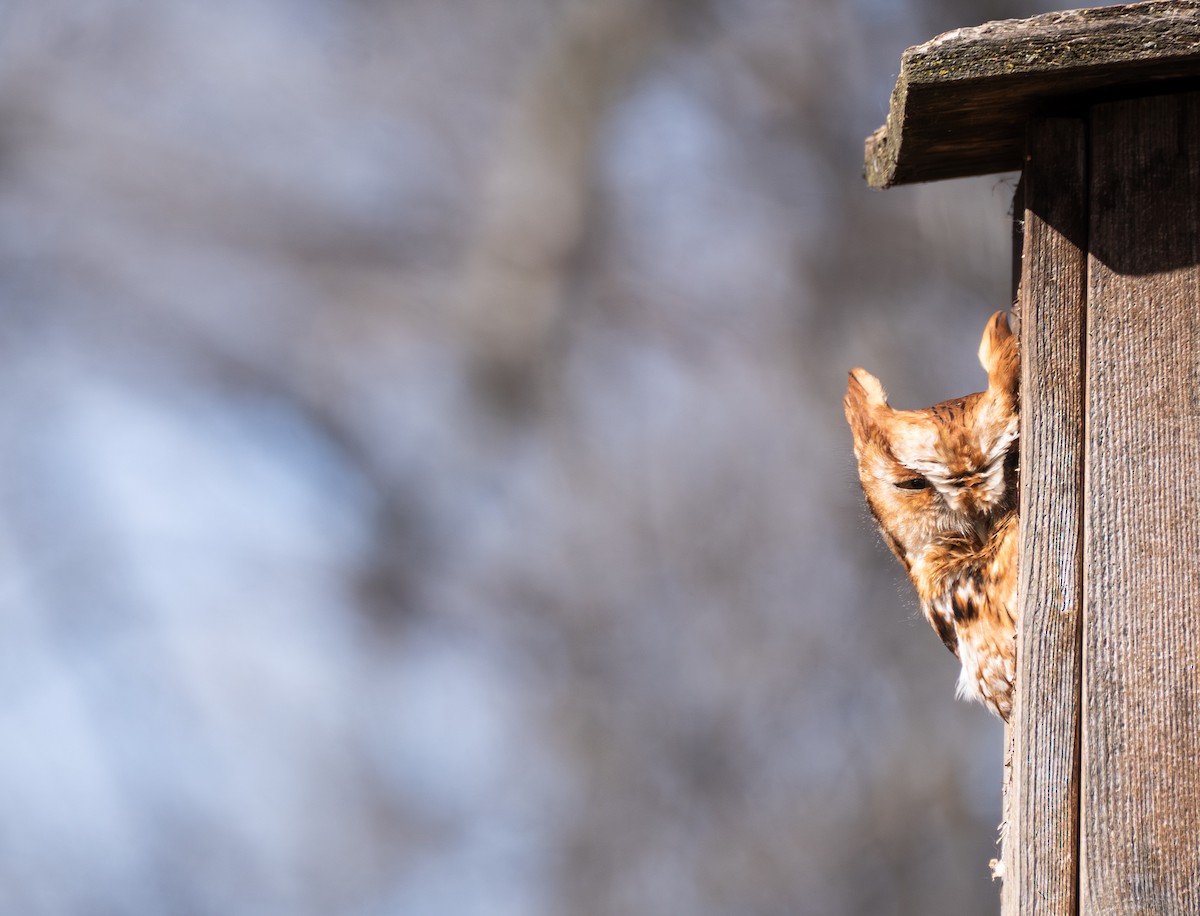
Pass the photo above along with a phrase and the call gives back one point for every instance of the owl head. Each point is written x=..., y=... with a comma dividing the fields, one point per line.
x=946, y=471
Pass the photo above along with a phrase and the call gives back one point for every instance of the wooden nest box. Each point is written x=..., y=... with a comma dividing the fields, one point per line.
x=1100, y=110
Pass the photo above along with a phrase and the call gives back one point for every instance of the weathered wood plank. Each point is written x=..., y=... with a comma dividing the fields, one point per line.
x=1008, y=802
x=1042, y=844
x=1140, y=793
x=962, y=100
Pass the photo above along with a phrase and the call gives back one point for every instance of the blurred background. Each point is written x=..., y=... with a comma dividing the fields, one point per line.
x=426, y=489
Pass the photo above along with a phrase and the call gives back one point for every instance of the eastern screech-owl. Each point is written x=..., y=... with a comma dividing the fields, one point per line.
x=942, y=484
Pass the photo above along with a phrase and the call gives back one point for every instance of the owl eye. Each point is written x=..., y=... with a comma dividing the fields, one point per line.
x=913, y=483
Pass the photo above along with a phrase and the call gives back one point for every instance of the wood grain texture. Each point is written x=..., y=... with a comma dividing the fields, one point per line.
x=962, y=100
x=1009, y=898
x=1009, y=888
x=1140, y=793
x=1041, y=851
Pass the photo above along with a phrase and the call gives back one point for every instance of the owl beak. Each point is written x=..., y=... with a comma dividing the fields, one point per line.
x=981, y=530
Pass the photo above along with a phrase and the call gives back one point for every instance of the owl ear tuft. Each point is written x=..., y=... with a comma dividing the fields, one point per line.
x=865, y=397
x=865, y=389
x=998, y=354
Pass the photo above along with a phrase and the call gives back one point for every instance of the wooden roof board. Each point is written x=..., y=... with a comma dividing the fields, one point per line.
x=962, y=100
